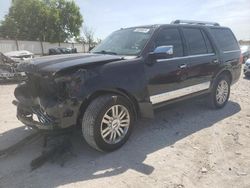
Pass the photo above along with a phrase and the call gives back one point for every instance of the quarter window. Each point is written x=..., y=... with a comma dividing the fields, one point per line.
x=170, y=36
x=195, y=41
x=225, y=39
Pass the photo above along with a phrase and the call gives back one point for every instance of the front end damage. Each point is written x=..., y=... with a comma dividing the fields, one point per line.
x=48, y=103
x=56, y=87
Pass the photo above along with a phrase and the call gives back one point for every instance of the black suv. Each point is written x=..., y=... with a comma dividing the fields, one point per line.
x=127, y=76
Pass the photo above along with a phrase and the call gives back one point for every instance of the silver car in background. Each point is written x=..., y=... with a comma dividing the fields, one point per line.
x=247, y=68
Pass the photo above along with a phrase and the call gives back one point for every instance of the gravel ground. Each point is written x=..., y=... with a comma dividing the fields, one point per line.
x=186, y=145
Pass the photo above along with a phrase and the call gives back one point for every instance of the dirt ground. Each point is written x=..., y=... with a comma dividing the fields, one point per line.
x=186, y=145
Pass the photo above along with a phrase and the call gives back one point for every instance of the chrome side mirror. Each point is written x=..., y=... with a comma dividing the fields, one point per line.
x=162, y=52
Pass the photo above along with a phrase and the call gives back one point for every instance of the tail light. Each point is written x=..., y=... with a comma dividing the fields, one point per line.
x=241, y=59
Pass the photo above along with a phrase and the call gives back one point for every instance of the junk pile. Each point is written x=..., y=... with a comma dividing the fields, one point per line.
x=8, y=70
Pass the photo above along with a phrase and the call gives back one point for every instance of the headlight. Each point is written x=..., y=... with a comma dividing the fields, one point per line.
x=69, y=84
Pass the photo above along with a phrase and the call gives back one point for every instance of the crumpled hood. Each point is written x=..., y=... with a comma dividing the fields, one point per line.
x=56, y=63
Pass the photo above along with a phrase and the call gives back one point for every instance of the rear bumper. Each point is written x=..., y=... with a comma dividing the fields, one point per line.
x=236, y=72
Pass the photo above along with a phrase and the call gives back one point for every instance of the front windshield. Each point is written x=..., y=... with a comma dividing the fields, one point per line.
x=129, y=41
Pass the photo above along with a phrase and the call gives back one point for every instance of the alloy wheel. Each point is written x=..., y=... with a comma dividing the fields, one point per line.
x=222, y=92
x=115, y=124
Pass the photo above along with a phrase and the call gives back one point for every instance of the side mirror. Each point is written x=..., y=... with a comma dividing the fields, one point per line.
x=162, y=52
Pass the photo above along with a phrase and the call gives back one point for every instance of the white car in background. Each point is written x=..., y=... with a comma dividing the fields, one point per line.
x=20, y=56
x=8, y=67
x=245, y=51
x=247, y=68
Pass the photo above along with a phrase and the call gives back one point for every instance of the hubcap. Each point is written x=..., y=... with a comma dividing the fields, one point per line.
x=115, y=124
x=222, y=92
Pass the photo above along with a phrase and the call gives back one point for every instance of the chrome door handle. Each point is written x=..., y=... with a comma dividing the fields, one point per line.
x=183, y=66
x=215, y=61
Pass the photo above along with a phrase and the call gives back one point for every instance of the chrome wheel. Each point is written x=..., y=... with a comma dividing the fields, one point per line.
x=115, y=124
x=222, y=92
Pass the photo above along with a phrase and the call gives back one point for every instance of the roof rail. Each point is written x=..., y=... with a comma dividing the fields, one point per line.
x=195, y=22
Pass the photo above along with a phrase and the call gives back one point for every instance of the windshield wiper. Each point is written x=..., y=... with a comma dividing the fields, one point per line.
x=106, y=52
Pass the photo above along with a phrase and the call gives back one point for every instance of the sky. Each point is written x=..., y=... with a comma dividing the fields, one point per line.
x=106, y=16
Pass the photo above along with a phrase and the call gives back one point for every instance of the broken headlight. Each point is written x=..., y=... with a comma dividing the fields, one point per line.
x=69, y=85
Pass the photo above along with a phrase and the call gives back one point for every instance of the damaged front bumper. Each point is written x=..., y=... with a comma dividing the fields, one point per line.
x=49, y=102
x=56, y=117
x=34, y=117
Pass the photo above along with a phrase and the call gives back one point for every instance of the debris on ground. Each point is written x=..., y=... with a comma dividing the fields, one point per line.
x=241, y=173
x=179, y=186
x=203, y=170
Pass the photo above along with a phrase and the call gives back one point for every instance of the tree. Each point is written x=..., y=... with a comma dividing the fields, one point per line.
x=89, y=36
x=44, y=20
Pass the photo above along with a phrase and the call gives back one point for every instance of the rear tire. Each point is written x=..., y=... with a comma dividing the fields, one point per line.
x=107, y=122
x=220, y=93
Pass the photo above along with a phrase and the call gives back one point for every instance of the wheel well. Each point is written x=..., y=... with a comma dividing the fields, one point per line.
x=99, y=93
x=228, y=74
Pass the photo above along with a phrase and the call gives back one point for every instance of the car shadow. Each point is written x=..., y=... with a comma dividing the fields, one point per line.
x=170, y=125
x=11, y=138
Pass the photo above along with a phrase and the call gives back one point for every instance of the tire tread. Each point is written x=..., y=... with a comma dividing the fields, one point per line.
x=89, y=119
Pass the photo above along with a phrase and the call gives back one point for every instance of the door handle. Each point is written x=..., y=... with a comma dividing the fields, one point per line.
x=215, y=61
x=183, y=66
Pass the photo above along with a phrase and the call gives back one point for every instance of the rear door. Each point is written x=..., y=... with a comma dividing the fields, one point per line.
x=202, y=60
x=229, y=50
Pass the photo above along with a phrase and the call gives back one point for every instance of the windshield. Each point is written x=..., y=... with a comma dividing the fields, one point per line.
x=125, y=42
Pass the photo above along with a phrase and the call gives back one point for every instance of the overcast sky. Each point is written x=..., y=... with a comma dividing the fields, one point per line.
x=108, y=15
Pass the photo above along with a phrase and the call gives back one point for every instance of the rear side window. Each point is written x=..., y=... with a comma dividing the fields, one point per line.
x=208, y=43
x=170, y=36
x=195, y=41
x=225, y=39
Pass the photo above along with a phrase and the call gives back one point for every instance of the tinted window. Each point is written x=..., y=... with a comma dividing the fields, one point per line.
x=195, y=41
x=170, y=36
x=225, y=39
x=208, y=43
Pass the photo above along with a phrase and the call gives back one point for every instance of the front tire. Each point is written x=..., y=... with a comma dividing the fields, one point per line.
x=107, y=122
x=220, y=93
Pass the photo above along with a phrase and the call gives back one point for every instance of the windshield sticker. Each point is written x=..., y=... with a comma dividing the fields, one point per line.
x=142, y=30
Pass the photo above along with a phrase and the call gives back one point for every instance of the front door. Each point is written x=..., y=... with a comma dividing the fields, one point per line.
x=167, y=76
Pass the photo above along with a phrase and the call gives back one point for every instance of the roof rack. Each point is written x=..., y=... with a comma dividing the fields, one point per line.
x=195, y=22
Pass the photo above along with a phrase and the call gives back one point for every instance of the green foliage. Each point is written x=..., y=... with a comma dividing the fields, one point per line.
x=44, y=20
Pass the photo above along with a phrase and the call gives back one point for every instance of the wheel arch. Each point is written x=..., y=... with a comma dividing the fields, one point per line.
x=226, y=72
x=118, y=91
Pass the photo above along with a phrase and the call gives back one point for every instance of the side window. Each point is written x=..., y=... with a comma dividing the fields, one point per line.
x=225, y=39
x=195, y=41
x=170, y=36
x=208, y=43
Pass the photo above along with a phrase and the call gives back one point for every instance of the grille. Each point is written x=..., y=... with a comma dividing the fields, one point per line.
x=42, y=116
